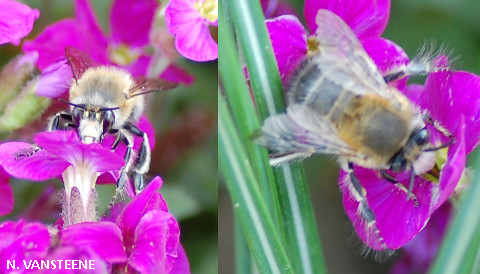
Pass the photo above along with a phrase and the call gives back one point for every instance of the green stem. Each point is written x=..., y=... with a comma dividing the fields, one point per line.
x=253, y=216
x=298, y=222
x=243, y=110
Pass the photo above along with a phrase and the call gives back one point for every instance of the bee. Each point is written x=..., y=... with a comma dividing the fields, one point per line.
x=339, y=104
x=108, y=100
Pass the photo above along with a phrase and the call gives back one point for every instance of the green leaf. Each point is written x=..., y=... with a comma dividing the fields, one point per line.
x=253, y=216
x=243, y=111
x=298, y=228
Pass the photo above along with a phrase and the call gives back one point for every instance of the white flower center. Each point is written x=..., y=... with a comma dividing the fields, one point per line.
x=83, y=176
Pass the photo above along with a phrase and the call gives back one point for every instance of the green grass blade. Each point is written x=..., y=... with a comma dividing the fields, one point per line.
x=243, y=258
x=253, y=216
x=243, y=111
x=301, y=234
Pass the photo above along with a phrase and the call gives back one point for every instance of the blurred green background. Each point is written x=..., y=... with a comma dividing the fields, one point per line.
x=185, y=155
x=412, y=23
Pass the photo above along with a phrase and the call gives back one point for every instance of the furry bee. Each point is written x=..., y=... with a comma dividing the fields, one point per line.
x=339, y=104
x=107, y=100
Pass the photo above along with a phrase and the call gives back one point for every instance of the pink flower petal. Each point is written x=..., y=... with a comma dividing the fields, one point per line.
x=289, y=41
x=452, y=171
x=193, y=38
x=16, y=21
x=414, y=93
x=39, y=166
x=172, y=73
x=458, y=93
x=367, y=18
x=140, y=12
x=177, y=74
x=67, y=32
x=22, y=241
x=156, y=239
x=181, y=265
x=55, y=80
x=105, y=238
x=85, y=16
x=83, y=253
x=387, y=55
x=397, y=220
x=419, y=253
x=147, y=127
x=149, y=199
x=66, y=145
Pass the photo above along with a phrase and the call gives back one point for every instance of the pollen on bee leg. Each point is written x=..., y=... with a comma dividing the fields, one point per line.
x=79, y=203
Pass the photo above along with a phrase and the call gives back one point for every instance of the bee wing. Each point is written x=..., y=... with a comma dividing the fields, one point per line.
x=143, y=86
x=341, y=51
x=79, y=61
x=298, y=134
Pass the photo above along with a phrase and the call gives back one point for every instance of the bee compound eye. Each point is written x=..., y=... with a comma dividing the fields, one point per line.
x=423, y=137
x=77, y=114
x=108, y=120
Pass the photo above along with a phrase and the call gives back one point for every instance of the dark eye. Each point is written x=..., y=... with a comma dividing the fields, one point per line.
x=422, y=137
x=108, y=120
x=77, y=114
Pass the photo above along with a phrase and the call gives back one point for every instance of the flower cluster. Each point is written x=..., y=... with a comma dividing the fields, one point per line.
x=139, y=237
x=397, y=219
x=137, y=234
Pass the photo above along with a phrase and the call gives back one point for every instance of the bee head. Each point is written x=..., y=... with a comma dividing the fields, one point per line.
x=411, y=151
x=92, y=122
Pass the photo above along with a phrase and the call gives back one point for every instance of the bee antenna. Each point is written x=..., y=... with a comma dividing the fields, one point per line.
x=72, y=104
x=105, y=109
x=447, y=144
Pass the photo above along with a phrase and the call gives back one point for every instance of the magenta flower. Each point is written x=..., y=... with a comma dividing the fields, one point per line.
x=418, y=254
x=190, y=21
x=62, y=153
x=291, y=42
x=16, y=21
x=125, y=47
x=452, y=91
x=22, y=241
x=142, y=238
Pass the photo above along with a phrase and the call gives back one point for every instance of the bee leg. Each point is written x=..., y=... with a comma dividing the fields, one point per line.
x=360, y=195
x=123, y=173
x=55, y=122
x=365, y=212
x=427, y=61
x=393, y=76
x=429, y=120
x=409, y=192
x=142, y=164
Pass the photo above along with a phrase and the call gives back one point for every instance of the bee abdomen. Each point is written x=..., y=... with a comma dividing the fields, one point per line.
x=311, y=87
